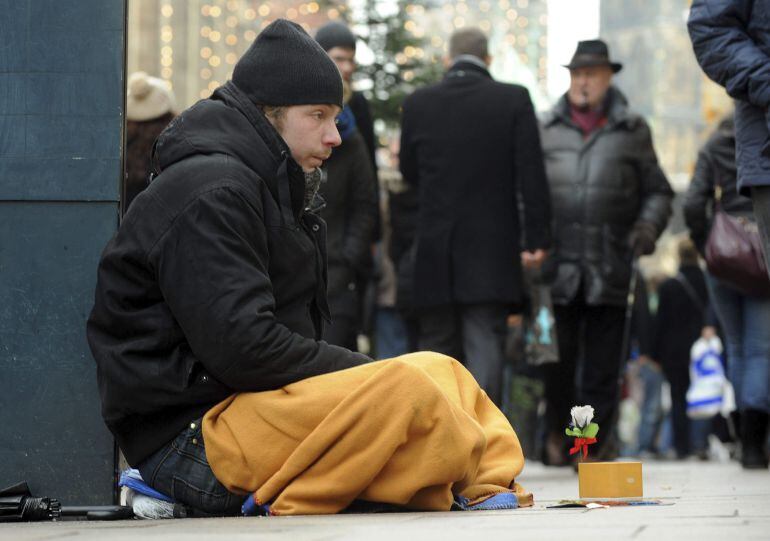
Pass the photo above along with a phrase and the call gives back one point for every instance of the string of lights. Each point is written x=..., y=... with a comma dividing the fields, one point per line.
x=199, y=41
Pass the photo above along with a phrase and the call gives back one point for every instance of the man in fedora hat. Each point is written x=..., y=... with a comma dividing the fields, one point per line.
x=610, y=201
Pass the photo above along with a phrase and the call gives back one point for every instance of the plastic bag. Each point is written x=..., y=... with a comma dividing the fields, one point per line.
x=540, y=342
x=706, y=394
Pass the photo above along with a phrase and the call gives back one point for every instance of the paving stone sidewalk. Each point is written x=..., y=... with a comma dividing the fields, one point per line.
x=711, y=502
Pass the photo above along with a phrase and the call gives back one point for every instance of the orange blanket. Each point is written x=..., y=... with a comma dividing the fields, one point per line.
x=413, y=431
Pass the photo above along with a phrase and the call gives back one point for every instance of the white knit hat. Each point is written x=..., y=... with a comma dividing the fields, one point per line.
x=148, y=97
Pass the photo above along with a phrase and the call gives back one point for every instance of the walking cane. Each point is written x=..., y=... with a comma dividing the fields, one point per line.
x=611, y=440
x=630, y=302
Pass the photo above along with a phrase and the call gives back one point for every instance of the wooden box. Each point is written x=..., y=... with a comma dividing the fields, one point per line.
x=610, y=479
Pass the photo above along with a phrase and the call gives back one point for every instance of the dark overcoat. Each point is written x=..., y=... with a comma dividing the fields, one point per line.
x=351, y=217
x=471, y=146
x=679, y=319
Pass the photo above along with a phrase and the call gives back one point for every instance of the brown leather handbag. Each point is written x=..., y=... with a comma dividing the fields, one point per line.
x=734, y=253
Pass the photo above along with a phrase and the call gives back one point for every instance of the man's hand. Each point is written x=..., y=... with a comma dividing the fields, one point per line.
x=642, y=238
x=533, y=260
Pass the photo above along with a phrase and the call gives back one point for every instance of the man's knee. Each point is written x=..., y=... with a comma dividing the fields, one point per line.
x=422, y=361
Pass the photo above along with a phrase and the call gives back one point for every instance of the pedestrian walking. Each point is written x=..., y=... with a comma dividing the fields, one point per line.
x=610, y=201
x=349, y=210
x=744, y=317
x=682, y=305
x=471, y=146
x=340, y=42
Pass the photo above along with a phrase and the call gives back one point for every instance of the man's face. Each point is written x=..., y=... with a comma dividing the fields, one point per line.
x=345, y=58
x=589, y=85
x=311, y=133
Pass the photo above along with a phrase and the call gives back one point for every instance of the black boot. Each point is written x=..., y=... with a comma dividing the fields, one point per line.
x=753, y=436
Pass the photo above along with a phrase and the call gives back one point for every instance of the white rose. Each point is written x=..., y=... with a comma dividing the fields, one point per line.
x=581, y=416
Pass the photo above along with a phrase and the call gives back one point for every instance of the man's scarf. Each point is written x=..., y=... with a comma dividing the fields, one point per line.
x=346, y=122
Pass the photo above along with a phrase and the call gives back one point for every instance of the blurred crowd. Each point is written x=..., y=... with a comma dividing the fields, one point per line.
x=512, y=244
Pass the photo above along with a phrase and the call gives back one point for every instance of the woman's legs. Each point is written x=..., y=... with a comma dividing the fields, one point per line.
x=745, y=322
x=755, y=394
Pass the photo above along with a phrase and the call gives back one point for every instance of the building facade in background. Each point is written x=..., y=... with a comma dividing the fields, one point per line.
x=194, y=44
x=662, y=79
x=517, y=30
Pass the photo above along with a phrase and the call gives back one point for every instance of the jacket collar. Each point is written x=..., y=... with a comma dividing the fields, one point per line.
x=469, y=59
x=615, y=105
x=465, y=65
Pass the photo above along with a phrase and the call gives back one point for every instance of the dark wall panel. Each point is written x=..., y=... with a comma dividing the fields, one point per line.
x=53, y=434
x=61, y=115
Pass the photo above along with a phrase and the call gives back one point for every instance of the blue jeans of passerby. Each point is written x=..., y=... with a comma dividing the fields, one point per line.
x=391, y=339
x=745, y=323
x=699, y=434
x=651, y=413
x=181, y=471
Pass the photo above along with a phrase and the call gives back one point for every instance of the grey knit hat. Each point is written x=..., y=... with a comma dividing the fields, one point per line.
x=335, y=34
x=285, y=66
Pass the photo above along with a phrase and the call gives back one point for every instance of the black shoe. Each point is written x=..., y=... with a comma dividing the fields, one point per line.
x=556, y=449
x=754, y=459
x=753, y=436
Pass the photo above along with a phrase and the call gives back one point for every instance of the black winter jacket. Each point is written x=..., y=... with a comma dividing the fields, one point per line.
x=679, y=319
x=214, y=283
x=731, y=39
x=351, y=215
x=715, y=167
x=365, y=125
x=600, y=188
x=470, y=145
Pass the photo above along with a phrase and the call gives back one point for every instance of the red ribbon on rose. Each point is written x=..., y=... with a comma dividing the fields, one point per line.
x=582, y=443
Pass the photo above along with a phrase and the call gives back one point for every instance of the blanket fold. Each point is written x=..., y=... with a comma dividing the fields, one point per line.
x=413, y=431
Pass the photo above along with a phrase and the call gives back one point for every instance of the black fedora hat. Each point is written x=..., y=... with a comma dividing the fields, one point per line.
x=593, y=52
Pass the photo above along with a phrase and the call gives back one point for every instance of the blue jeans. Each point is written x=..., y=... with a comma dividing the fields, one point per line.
x=651, y=410
x=181, y=471
x=391, y=333
x=745, y=323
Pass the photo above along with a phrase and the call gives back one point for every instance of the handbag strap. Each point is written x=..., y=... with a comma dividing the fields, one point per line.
x=718, y=191
x=690, y=291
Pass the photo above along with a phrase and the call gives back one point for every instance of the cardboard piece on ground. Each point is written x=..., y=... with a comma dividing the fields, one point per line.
x=604, y=504
x=610, y=479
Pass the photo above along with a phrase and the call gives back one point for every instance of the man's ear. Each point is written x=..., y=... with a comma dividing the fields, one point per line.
x=447, y=62
x=488, y=60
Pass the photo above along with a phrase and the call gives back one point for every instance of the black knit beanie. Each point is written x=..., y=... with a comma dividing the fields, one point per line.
x=285, y=66
x=335, y=34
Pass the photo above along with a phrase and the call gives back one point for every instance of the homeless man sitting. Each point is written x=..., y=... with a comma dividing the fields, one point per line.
x=209, y=307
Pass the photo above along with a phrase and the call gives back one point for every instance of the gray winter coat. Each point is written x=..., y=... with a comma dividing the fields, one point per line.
x=600, y=188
